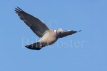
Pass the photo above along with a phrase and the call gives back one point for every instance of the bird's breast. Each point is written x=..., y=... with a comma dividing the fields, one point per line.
x=49, y=38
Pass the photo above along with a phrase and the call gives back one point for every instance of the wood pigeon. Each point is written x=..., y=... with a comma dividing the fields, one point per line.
x=47, y=36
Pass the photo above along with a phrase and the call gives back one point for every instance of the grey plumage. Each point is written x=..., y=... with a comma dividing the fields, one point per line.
x=47, y=35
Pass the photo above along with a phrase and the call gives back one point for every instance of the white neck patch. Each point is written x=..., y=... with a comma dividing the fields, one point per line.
x=55, y=31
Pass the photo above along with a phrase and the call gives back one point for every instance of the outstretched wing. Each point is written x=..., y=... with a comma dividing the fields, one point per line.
x=36, y=25
x=66, y=33
x=35, y=46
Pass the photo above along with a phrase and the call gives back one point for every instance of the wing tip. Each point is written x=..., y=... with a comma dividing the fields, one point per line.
x=79, y=31
x=17, y=9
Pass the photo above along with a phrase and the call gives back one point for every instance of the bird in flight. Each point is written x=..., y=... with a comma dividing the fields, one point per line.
x=47, y=36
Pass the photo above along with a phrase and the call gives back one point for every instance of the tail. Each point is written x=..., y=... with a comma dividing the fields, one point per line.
x=34, y=46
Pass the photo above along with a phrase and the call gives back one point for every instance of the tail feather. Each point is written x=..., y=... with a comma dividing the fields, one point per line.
x=34, y=46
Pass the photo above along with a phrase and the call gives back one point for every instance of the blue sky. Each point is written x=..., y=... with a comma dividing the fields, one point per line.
x=84, y=51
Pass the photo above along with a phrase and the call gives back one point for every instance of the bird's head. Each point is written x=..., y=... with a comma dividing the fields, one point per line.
x=58, y=31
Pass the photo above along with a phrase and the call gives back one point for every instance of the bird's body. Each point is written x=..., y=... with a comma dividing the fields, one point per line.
x=47, y=36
